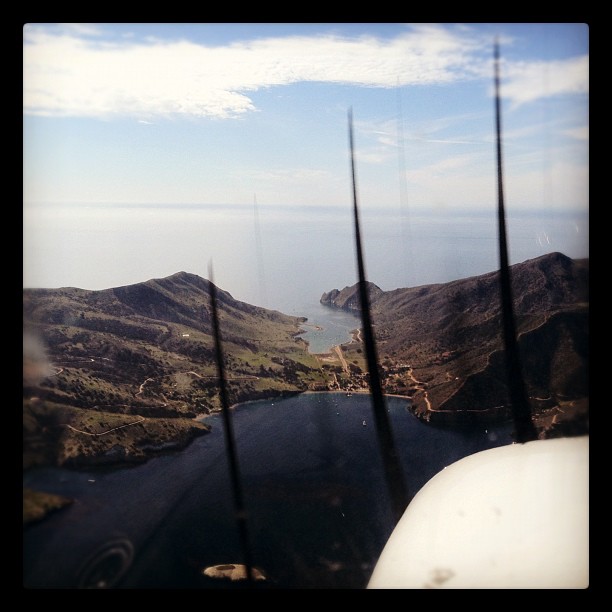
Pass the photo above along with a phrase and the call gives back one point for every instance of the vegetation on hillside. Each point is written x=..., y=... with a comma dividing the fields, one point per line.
x=442, y=344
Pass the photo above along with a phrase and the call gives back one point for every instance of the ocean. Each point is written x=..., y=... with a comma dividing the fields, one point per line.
x=283, y=258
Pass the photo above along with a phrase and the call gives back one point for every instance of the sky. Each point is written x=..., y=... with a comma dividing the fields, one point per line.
x=228, y=115
x=223, y=113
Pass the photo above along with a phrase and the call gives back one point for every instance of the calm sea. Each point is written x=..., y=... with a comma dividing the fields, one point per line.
x=317, y=504
x=282, y=258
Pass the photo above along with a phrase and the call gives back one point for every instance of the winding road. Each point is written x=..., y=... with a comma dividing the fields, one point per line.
x=421, y=387
x=141, y=389
x=245, y=377
x=102, y=433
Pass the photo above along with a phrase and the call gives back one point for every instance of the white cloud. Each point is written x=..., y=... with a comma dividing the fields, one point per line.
x=68, y=74
x=526, y=82
x=70, y=69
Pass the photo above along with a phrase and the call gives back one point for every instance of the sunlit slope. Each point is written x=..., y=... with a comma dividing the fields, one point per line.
x=95, y=360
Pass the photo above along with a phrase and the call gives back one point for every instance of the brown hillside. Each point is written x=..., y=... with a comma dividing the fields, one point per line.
x=450, y=335
x=97, y=362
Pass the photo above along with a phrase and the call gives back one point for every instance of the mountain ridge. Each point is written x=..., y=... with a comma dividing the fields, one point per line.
x=108, y=358
x=124, y=373
x=450, y=335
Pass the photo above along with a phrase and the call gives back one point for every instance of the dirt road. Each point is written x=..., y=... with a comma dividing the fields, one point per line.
x=345, y=366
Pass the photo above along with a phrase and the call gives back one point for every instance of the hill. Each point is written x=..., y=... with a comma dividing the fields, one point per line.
x=442, y=343
x=117, y=375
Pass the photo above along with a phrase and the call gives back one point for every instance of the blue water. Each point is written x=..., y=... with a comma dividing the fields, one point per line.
x=290, y=257
x=335, y=327
x=317, y=503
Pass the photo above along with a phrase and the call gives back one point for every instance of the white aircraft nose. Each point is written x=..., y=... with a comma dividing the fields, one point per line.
x=515, y=516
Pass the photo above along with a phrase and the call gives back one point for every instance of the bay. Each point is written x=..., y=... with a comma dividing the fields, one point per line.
x=314, y=489
x=329, y=327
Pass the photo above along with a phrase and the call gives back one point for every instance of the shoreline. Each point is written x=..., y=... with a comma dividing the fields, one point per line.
x=202, y=417
x=313, y=325
x=355, y=336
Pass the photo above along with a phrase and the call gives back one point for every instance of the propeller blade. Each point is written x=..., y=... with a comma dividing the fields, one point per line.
x=392, y=466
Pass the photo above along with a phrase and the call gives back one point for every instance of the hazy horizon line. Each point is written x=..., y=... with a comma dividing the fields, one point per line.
x=319, y=208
